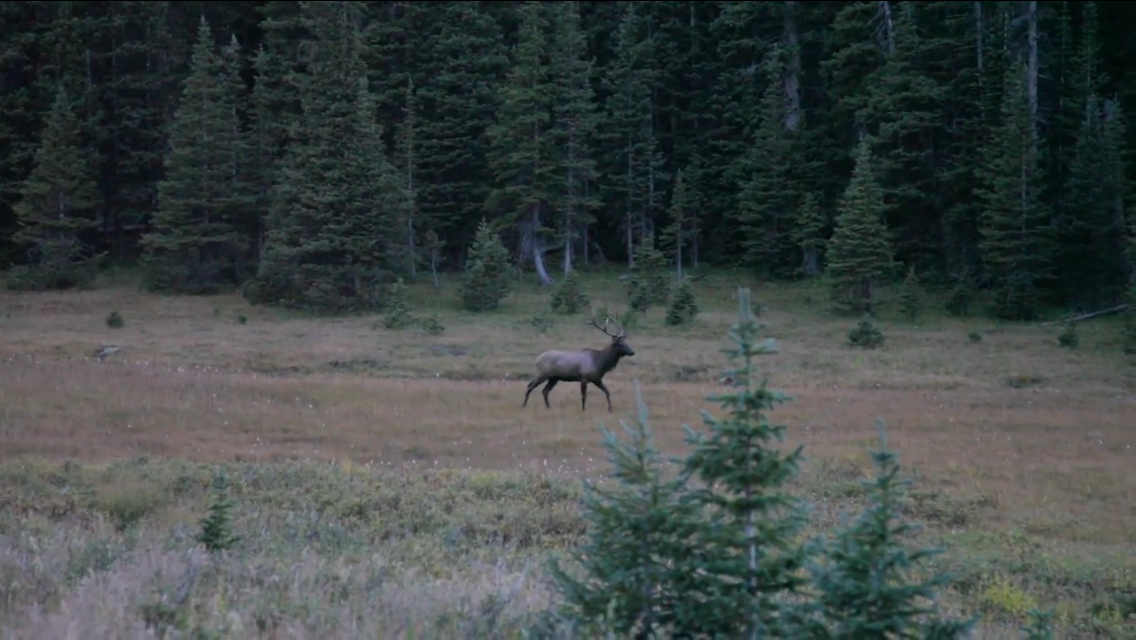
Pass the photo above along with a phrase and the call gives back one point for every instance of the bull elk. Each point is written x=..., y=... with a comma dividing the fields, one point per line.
x=583, y=366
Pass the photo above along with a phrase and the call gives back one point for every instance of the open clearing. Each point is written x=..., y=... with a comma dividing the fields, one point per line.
x=1023, y=455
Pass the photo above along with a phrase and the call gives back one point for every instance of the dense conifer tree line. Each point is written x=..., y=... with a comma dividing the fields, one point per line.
x=311, y=152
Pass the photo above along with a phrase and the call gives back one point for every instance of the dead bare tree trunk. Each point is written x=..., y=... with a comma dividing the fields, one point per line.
x=889, y=26
x=1031, y=8
x=792, y=76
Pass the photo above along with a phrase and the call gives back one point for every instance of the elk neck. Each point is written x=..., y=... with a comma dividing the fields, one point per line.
x=607, y=358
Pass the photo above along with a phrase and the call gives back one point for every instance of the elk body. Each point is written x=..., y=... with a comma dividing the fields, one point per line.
x=584, y=366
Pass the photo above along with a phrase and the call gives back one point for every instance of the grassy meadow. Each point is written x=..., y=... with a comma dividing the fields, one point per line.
x=389, y=484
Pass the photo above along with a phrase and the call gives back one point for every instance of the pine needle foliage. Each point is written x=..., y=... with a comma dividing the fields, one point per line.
x=748, y=563
x=865, y=575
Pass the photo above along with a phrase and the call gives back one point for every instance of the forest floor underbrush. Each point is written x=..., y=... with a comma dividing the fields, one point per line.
x=389, y=482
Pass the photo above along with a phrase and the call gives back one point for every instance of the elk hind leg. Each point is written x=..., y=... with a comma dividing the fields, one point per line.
x=548, y=389
x=583, y=394
x=532, y=385
x=600, y=384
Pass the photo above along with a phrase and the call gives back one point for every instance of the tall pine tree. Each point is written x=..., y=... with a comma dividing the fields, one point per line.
x=1016, y=248
x=328, y=245
x=199, y=234
x=56, y=211
x=859, y=253
x=522, y=151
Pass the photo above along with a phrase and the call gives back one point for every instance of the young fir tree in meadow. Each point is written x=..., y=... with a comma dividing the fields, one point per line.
x=1016, y=248
x=808, y=234
x=865, y=573
x=748, y=566
x=568, y=296
x=486, y=279
x=200, y=233
x=859, y=252
x=637, y=525
x=56, y=210
x=911, y=296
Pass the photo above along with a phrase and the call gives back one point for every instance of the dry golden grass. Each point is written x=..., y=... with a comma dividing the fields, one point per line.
x=1008, y=436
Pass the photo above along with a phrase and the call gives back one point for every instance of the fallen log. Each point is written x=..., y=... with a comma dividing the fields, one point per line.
x=1089, y=316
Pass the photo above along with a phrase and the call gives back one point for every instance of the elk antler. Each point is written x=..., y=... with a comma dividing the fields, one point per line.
x=619, y=334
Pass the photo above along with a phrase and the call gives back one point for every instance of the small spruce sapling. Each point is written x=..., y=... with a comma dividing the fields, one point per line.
x=1068, y=338
x=568, y=295
x=911, y=296
x=865, y=334
x=635, y=531
x=683, y=306
x=747, y=570
x=216, y=528
x=864, y=575
x=397, y=314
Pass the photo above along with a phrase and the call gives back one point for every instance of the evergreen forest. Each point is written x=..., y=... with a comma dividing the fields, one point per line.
x=312, y=153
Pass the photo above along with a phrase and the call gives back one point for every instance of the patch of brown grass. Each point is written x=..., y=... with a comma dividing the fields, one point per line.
x=1051, y=458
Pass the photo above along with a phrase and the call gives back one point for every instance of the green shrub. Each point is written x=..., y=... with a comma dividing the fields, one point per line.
x=114, y=320
x=397, y=315
x=911, y=296
x=1068, y=337
x=486, y=279
x=216, y=528
x=568, y=295
x=683, y=307
x=865, y=334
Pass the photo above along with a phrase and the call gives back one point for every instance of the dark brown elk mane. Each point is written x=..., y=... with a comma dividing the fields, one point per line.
x=586, y=366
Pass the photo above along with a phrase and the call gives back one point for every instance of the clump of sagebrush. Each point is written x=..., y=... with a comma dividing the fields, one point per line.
x=569, y=296
x=486, y=279
x=721, y=559
x=864, y=572
x=683, y=306
x=865, y=335
x=397, y=315
x=911, y=296
x=1068, y=337
x=216, y=528
x=114, y=320
x=649, y=284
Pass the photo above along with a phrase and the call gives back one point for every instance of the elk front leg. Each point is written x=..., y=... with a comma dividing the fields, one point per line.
x=600, y=384
x=532, y=385
x=583, y=394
